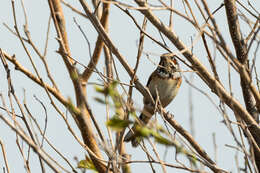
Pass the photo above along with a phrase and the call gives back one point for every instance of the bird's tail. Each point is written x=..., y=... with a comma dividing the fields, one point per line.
x=132, y=135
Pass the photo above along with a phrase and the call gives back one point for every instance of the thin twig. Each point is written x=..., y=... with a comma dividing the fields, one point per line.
x=4, y=156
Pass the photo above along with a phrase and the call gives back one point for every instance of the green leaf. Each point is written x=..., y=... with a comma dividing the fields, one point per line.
x=161, y=129
x=108, y=90
x=99, y=89
x=100, y=100
x=102, y=90
x=114, y=84
x=86, y=164
x=179, y=149
x=192, y=158
x=71, y=107
x=162, y=140
x=112, y=92
x=143, y=131
x=117, y=124
x=74, y=75
x=133, y=114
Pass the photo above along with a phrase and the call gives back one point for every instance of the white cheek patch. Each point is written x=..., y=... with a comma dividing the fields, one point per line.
x=176, y=75
x=163, y=74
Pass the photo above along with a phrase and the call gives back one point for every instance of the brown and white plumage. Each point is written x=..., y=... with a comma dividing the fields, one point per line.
x=165, y=81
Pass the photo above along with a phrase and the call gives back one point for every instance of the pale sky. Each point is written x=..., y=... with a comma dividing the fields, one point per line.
x=207, y=120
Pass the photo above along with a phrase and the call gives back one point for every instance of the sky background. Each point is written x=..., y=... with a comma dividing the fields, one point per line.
x=125, y=35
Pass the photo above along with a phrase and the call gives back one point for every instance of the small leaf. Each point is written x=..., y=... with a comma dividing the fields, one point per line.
x=117, y=103
x=193, y=160
x=162, y=140
x=71, y=107
x=100, y=100
x=117, y=124
x=161, y=129
x=102, y=90
x=179, y=149
x=114, y=84
x=86, y=164
x=74, y=75
x=99, y=89
x=112, y=92
x=143, y=131
x=133, y=113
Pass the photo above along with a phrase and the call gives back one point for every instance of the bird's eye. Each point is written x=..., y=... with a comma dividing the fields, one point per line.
x=174, y=60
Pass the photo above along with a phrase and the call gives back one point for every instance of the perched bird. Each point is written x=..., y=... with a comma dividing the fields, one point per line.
x=163, y=84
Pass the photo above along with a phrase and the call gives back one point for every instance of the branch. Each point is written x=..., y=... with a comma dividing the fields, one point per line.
x=241, y=67
x=83, y=119
x=130, y=71
x=211, y=164
x=99, y=45
x=36, y=148
x=241, y=53
x=212, y=83
x=4, y=155
x=76, y=112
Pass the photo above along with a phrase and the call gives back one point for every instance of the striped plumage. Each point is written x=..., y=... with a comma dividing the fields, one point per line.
x=165, y=81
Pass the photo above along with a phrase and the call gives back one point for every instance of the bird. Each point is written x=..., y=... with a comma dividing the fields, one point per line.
x=164, y=84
